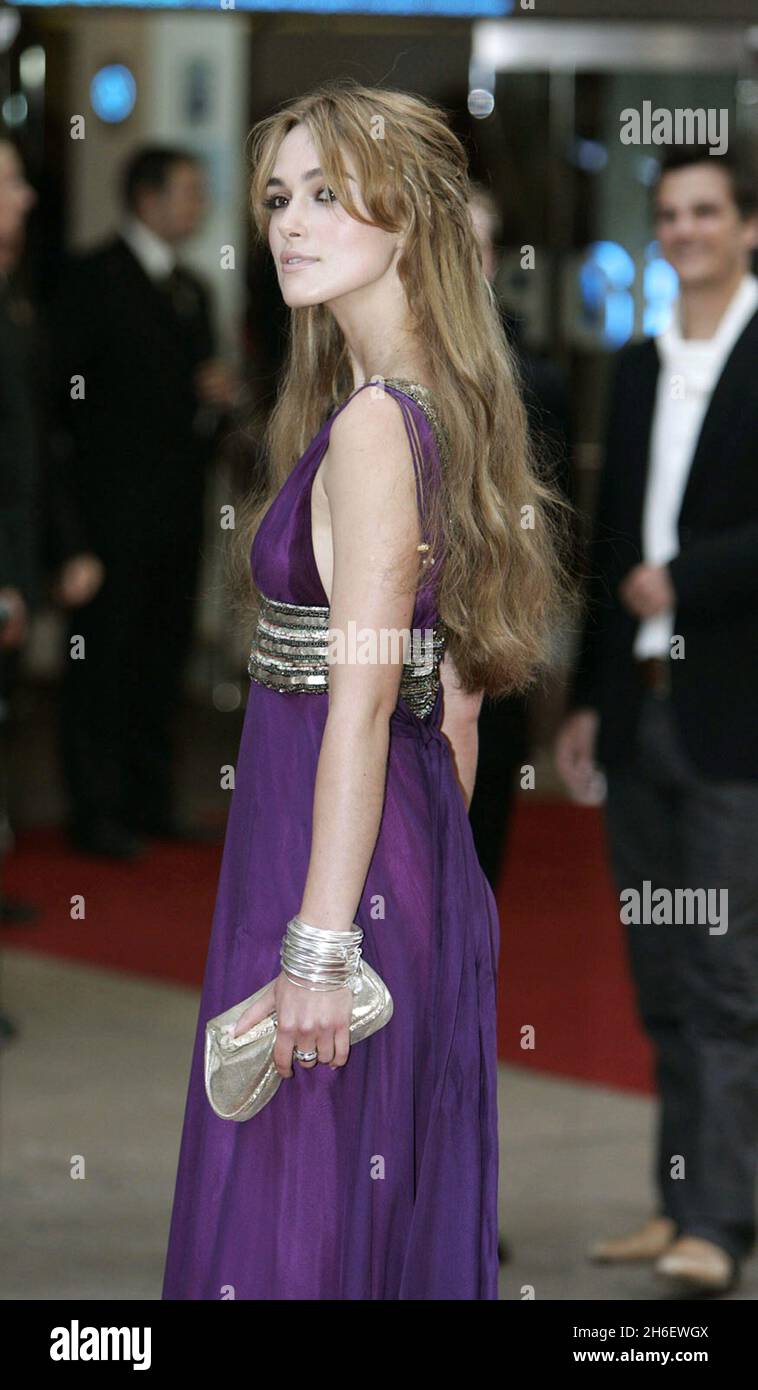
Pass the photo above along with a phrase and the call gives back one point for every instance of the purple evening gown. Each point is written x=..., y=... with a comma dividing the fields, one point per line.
x=377, y=1180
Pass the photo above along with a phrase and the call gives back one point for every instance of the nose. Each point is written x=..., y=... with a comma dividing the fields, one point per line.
x=291, y=222
x=684, y=227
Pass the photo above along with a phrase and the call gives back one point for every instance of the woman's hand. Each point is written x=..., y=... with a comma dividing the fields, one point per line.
x=306, y=1019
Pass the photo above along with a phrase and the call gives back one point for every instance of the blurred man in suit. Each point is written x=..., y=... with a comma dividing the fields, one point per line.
x=18, y=486
x=503, y=724
x=139, y=398
x=665, y=699
x=18, y=448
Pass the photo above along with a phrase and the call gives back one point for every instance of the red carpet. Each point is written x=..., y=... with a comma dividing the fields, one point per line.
x=151, y=917
x=562, y=953
x=562, y=964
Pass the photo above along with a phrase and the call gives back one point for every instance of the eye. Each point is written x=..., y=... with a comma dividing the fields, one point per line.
x=332, y=198
x=271, y=202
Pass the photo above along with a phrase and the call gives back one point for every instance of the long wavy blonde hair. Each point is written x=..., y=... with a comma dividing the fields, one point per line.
x=496, y=519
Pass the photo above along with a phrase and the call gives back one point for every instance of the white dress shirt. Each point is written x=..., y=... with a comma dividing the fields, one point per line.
x=689, y=370
x=155, y=255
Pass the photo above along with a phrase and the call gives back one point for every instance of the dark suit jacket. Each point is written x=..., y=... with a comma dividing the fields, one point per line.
x=546, y=398
x=715, y=574
x=504, y=722
x=130, y=458
x=18, y=457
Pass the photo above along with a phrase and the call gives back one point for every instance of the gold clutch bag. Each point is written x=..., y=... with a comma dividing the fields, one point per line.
x=240, y=1076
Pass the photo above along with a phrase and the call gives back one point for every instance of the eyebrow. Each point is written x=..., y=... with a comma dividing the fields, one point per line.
x=309, y=174
x=702, y=204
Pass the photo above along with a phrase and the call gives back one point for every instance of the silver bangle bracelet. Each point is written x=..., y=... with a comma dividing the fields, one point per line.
x=319, y=958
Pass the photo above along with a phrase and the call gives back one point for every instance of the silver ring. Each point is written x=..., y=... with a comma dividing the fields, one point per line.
x=305, y=1056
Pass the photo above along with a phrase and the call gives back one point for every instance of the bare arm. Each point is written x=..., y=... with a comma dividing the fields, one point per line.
x=369, y=482
x=370, y=485
x=460, y=726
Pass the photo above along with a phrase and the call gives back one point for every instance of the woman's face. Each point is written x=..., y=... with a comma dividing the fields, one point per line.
x=340, y=254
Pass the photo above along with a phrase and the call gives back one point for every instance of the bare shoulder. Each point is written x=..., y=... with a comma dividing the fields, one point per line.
x=370, y=424
x=369, y=479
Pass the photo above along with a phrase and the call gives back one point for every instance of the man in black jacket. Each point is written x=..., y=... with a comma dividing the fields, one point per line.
x=137, y=398
x=18, y=489
x=503, y=726
x=665, y=700
x=18, y=446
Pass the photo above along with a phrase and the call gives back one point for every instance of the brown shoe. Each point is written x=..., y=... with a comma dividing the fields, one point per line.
x=648, y=1243
x=698, y=1264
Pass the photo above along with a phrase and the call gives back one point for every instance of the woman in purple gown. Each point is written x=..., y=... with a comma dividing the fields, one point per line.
x=401, y=497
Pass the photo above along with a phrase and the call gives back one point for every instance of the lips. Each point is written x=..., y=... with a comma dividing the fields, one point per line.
x=295, y=263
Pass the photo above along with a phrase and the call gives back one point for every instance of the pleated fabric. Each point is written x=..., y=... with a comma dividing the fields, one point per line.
x=378, y=1180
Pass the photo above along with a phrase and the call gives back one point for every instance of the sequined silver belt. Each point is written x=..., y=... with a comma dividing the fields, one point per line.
x=291, y=646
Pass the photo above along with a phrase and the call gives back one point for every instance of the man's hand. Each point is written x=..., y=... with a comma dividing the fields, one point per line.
x=79, y=580
x=575, y=757
x=217, y=384
x=13, y=631
x=647, y=590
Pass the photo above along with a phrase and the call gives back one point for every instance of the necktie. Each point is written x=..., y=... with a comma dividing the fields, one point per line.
x=179, y=291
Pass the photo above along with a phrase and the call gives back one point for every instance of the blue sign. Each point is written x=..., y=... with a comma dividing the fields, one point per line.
x=113, y=92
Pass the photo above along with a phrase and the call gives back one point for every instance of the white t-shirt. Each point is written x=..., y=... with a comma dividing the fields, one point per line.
x=689, y=370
